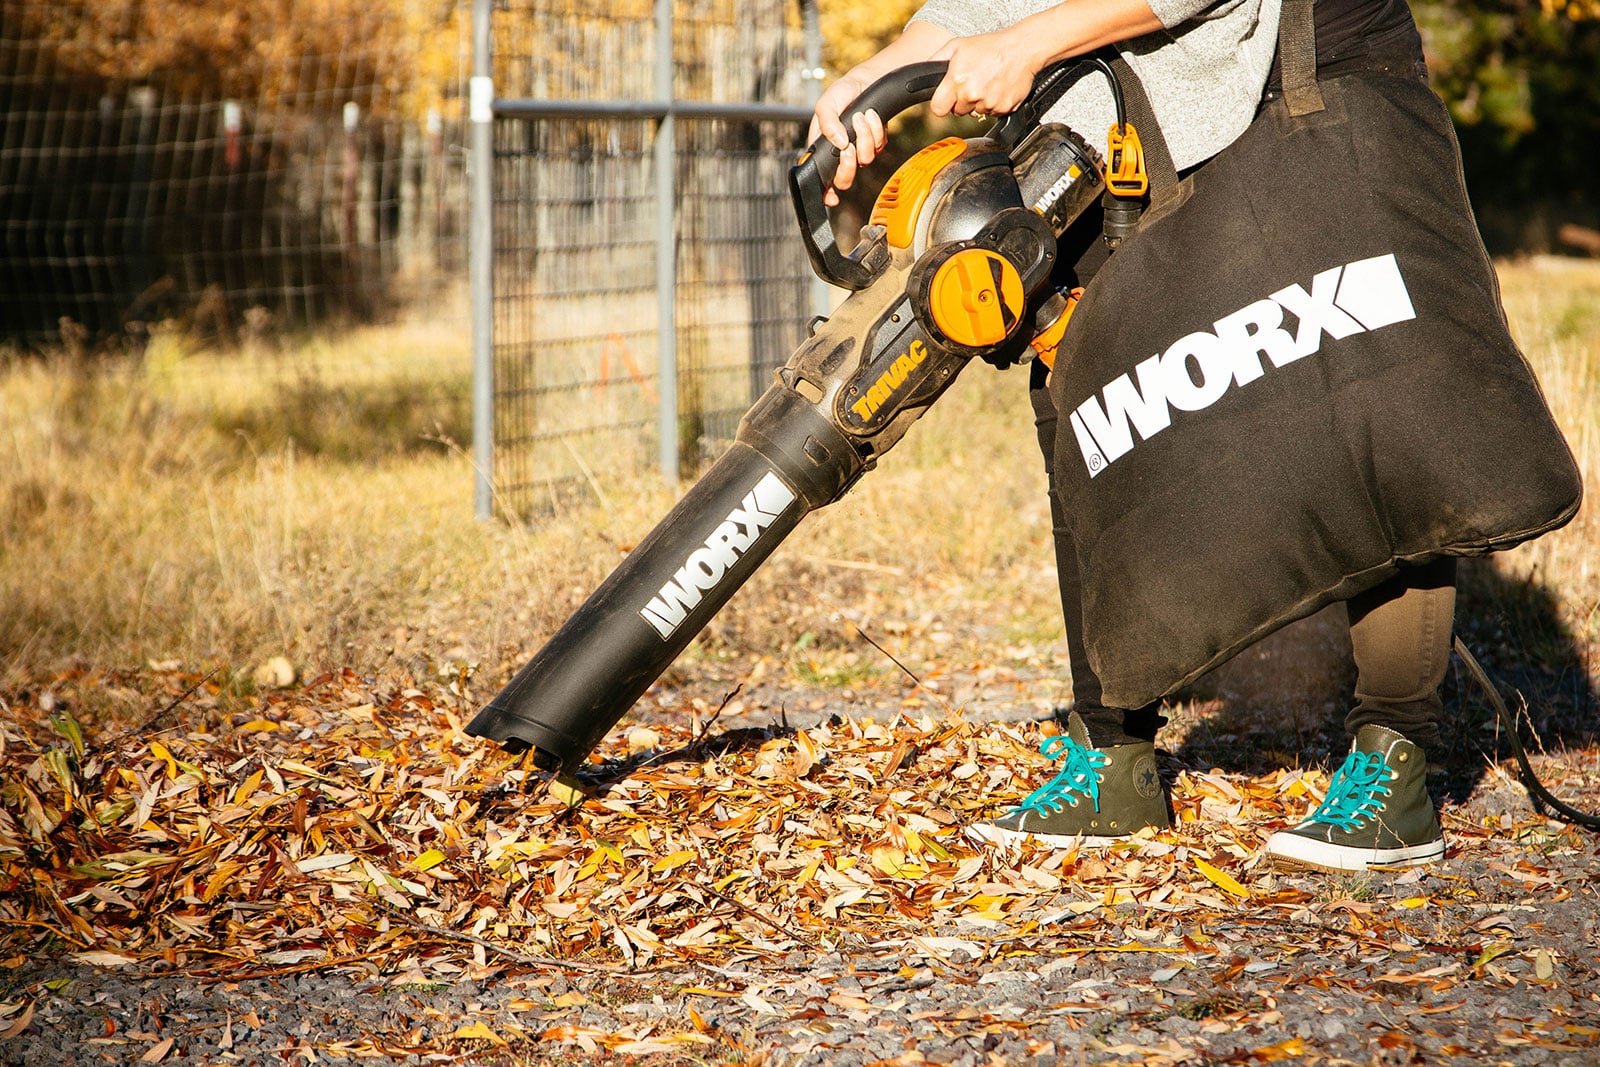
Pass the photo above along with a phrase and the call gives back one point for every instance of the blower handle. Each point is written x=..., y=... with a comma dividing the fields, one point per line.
x=897, y=91
x=809, y=179
x=888, y=96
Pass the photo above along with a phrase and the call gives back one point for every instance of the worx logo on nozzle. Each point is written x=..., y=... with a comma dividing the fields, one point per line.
x=1197, y=369
x=706, y=565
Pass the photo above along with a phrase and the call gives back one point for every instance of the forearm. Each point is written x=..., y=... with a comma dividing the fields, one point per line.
x=1074, y=27
x=991, y=73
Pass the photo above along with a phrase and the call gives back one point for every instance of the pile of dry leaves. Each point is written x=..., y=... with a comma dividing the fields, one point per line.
x=342, y=827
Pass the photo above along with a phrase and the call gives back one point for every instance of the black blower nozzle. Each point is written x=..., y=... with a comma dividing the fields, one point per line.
x=786, y=462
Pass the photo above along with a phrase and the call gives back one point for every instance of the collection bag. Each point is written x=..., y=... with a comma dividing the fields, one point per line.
x=1292, y=379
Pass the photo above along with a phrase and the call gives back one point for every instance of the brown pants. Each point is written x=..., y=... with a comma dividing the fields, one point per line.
x=1400, y=632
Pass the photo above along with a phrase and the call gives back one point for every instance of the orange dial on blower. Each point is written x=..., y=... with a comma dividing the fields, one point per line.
x=976, y=297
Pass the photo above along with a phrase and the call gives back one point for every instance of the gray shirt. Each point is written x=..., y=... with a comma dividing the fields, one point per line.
x=1204, y=72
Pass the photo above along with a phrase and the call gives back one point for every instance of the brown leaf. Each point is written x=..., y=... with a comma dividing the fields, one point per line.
x=157, y=1052
x=16, y=1028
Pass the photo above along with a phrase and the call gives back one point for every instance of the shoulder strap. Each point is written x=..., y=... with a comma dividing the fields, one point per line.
x=1297, y=55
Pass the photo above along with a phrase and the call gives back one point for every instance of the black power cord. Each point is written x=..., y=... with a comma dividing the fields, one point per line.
x=1530, y=780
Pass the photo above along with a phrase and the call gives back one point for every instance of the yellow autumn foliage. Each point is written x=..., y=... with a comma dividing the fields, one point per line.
x=853, y=30
x=389, y=56
x=1576, y=10
x=403, y=57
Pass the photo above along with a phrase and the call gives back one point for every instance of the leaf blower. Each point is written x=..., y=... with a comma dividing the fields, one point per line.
x=954, y=265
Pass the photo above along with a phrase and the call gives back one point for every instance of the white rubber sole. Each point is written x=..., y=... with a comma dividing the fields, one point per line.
x=984, y=833
x=1294, y=852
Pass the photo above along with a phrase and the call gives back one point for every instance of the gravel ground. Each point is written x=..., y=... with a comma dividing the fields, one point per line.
x=1253, y=996
x=1491, y=957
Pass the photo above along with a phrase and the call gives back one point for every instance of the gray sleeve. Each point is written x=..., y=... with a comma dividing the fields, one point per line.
x=1173, y=12
x=965, y=18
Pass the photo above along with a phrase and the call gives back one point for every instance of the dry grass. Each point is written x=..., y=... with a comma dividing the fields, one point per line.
x=1554, y=308
x=218, y=510
x=195, y=509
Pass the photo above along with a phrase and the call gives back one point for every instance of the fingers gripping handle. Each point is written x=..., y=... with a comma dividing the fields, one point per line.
x=810, y=178
x=891, y=94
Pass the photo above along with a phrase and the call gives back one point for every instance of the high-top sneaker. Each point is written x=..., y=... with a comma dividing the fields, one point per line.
x=1377, y=812
x=1100, y=795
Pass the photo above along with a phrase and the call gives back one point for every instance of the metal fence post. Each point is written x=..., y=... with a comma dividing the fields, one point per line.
x=810, y=22
x=666, y=163
x=350, y=173
x=140, y=224
x=481, y=259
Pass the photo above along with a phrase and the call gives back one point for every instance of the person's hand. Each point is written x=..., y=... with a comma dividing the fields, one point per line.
x=870, y=134
x=916, y=43
x=989, y=75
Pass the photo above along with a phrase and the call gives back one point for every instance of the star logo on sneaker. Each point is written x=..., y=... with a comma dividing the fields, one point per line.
x=1146, y=779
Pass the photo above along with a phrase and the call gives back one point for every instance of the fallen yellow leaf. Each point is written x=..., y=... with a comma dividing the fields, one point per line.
x=247, y=788
x=566, y=789
x=888, y=860
x=1283, y=1050
x=1221, y=879
x=477, y=1031
x=160, y=752
x=428, y=860
x=672, y=862
x=224, y=874
x=1491, y=952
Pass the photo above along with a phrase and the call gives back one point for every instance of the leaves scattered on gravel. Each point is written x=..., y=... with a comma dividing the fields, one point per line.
x=340, y=828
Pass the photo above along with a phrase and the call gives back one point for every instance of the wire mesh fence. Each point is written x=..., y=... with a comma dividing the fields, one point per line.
x=182, y=174
x=576, y=383
x=577, y=344
x=246, y=168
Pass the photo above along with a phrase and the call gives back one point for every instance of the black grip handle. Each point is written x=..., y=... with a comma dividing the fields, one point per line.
x=891, y=94
x=810, y=178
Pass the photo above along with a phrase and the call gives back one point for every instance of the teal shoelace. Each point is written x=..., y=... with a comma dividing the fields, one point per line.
x=1356, y=792
x=1079, y=776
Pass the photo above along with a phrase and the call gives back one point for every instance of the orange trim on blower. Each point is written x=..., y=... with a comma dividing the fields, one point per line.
x=1047, y=343
x=907, y=189
x=976, y=297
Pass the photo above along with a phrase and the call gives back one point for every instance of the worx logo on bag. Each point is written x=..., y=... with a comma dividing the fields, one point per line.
x=1196, y=370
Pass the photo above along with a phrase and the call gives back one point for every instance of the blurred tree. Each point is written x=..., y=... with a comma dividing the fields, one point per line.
x=1522, y=79
x=390, y=56
x=853, y=30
